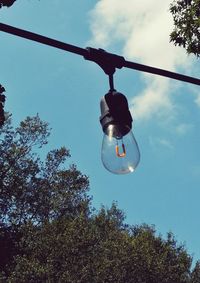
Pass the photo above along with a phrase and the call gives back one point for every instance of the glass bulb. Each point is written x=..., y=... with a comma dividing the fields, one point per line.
x=120, y=153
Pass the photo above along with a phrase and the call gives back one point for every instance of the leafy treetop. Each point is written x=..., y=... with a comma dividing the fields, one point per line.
x=6, y=3
x=186, y=33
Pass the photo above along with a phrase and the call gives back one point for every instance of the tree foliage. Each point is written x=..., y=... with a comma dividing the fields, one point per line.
x=2, y=101
x=97, y=250
x=186, y=33
x=31, y=189
x=50, y=233
x=6, y=3
x=195, y=277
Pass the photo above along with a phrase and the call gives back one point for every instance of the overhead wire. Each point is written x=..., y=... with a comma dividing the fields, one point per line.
x=107, y=61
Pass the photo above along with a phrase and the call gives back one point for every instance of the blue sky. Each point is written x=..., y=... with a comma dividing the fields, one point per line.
x=65, y=90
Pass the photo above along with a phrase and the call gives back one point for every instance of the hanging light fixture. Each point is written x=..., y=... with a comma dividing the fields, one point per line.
x=119, y=153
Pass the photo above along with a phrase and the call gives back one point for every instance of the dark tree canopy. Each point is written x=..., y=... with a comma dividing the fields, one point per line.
x=186, y=33
x=97, y=250
x=50, y=233
x=2, y=101
x=6, y=3
x=195, y=277
x=31, y=189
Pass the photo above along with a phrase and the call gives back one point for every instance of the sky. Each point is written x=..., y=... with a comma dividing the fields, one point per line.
x=66, y=90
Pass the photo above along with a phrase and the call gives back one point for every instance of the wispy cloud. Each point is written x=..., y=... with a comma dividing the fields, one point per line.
x=198, y=100
x=184, y=128
x=143, y=28
x=157, y=142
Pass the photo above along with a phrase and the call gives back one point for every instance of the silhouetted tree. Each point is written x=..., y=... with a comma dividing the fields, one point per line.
x=49, y=232
x=195, y=278
x=6, y=3
x=96, y=250
x=186, y=33
x=31, y=190
x=2, y=101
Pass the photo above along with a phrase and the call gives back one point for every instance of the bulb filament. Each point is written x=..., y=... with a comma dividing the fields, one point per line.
x=123, y=154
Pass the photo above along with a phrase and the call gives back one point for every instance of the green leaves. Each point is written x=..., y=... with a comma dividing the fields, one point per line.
x=6, y=3
x=195, y=278
x=31, y=189
x=2, y=101
x=186, y=33
x=50, y=233
x=96, y=250
x=33, y=132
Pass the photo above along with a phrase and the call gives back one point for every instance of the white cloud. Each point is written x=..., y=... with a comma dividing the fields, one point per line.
x=166, y=143
x=198, y=100
x=184, y=128
x=156, y=142
x=143, y=28
x=153, y=100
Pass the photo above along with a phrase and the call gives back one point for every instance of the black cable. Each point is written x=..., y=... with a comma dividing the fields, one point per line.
x=111, y=83
x=107, y=61
x=161, y=72
x=43, y=39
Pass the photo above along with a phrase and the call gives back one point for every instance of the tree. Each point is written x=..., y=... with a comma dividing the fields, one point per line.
x=195, y=277
x=97, y=250
x=31, y=190
x=6, y=3
x=186, y=33
x=2, y=101
x=50, y=233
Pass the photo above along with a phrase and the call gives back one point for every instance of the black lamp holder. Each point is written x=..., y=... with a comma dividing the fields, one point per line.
x=107, y=61
x=115, y=111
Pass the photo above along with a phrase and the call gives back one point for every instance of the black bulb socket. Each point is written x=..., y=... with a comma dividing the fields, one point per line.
x=115, y=111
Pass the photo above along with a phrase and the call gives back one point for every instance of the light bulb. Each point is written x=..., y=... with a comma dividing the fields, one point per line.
x=120, y=153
